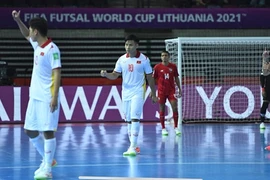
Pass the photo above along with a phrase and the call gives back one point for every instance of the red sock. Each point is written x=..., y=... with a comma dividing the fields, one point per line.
x=175, y=119
x=162, y=121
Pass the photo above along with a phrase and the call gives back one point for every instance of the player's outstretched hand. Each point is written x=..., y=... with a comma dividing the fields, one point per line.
x=103, y=73
x=16, y=15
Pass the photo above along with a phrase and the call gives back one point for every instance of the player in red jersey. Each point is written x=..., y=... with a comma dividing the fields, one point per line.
x=169, y=88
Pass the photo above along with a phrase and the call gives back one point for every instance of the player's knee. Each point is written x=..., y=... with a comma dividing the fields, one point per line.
x=174, y=108
x=31, y=134
x=48, y=134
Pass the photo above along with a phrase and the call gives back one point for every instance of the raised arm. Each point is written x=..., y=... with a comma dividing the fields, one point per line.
x=24, y=30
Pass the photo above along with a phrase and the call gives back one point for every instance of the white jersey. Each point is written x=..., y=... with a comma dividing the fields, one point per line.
x=46, y=58
x=133, y=71
x=265, y=70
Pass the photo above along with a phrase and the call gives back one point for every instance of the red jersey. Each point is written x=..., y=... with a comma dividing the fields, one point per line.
x=165, y=76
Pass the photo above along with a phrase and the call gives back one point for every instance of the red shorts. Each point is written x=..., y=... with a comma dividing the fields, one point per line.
x=162, y=97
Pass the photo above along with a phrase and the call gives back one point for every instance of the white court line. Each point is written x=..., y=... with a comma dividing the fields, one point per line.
x=121, y=178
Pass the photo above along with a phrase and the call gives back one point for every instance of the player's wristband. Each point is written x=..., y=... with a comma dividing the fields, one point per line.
x=263, y=89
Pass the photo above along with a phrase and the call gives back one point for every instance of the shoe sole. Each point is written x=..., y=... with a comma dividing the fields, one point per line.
x=54, y=163
x=42, y=178
x=129, y=154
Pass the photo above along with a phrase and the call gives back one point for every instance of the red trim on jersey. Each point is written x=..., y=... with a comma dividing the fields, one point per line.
x=46, y=43
x=137, y=54
x=57, y=68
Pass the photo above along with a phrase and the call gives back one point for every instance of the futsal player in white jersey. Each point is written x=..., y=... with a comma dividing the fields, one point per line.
x=42, y=113
x=134, y=67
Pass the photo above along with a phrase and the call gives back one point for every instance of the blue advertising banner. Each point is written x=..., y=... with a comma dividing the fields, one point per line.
x=114, y=18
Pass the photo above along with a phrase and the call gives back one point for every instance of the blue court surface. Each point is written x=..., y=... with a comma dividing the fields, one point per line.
x=94, y=151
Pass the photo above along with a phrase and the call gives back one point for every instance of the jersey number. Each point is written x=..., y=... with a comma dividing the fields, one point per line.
x=166, y=76
x=130, y=67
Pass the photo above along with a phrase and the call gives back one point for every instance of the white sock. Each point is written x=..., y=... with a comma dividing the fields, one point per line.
x=38, y=143
x=49, y=150
x=129, y=131
x=135, y=128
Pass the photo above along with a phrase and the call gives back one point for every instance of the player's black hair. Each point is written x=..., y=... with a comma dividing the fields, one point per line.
x=39, y=24
x=164, y=51
x=132, y=37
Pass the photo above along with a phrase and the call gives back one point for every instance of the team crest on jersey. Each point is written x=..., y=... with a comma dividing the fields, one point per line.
x=139, y=62
x=42, y=53
x=55, y=56
x=170, y=69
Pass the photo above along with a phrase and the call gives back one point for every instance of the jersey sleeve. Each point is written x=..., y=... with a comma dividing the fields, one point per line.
x=147, y=66
x=55, y=57
x=117, y=67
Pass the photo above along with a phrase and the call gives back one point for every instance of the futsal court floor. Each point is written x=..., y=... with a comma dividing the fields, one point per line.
x=94, y=151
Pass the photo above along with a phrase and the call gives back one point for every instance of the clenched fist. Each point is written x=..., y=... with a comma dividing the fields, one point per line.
x=103, y=73
x=16, y=14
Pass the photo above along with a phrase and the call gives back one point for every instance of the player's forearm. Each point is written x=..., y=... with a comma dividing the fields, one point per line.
x=151, y=83
x=177, y=81
x=111, y=76
x=24, y=30
x=57, y=82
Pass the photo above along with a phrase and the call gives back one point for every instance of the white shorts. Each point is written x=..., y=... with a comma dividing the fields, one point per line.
x=133, y=108
x=39, y=117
